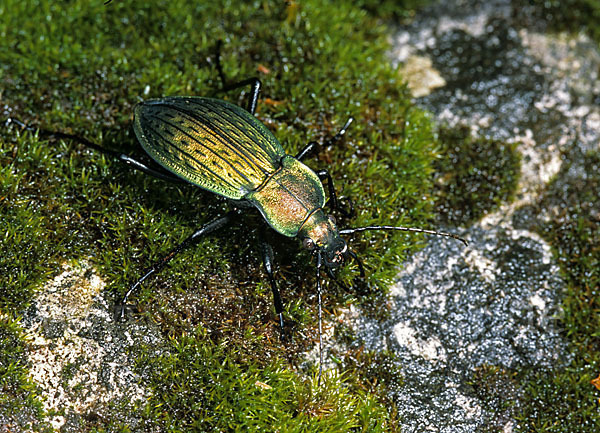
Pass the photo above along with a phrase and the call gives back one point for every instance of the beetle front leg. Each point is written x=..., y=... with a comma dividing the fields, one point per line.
x=267, y=255
x=328, y=141
x=324, y=175
x=307, y=149
x=333, y=201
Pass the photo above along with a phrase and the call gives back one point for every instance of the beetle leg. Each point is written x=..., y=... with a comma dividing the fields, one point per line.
x=323, y=175
x=327, y=142
x=341, y=132
x=164, y=175
x=336, y=281
x=331, y=140
x=253, y=82
x=319, y=263
x=126, y=159
x=195, y=237
x=333, y=201
x=307, y=149
x=254, y=92
x=358, y=262
x=267, y=256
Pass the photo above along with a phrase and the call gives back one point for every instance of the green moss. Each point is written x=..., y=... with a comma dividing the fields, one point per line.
x=396, y=10
x=231, y=393
x=564, y=400
x=572, y=15
x=20, y=410
x=474, y=177
x=80, y=67
x=498, y=391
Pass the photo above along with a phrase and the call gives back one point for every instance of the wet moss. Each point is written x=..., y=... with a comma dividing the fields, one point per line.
x=392, y=10
x=79, y=67
x=474, y=175
x=565, y=400
x=233, y=393
x=571, y=15
x=499, y=391
x=20, y=409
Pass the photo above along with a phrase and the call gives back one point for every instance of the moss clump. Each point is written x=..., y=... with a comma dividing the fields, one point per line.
x=203, y=387
x=474, y=176
x=80, y=67
x=396, y=10
x=20, y=410
x=572, y=15
x=564, y=400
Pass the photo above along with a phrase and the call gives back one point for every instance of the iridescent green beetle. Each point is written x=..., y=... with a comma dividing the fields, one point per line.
x=223, y=148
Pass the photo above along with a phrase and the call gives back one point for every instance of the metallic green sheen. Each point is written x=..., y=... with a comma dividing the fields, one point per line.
x=208, y=142
x=289, y=196
x=224, y=149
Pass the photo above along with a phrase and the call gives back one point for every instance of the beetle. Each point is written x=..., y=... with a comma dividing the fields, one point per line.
x=223, y=148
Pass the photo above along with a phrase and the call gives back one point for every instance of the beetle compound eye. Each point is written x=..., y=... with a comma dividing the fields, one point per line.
x=309, y=244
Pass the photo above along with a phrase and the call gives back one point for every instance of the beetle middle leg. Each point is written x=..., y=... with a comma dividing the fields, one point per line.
x=192, y=239
x=254, y=82
x=267, y=255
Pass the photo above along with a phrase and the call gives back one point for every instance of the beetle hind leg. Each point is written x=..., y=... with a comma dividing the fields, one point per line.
x=121, y=157
x=191, y=240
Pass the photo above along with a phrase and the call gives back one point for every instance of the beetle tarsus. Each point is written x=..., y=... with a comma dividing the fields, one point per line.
x=336, y=281
x=342, y=131
x=342, y=205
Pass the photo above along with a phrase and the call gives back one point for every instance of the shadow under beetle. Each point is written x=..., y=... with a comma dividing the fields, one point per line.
x=225, y=149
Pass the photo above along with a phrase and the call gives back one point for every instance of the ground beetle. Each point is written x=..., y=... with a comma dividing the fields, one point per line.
x=223, y=148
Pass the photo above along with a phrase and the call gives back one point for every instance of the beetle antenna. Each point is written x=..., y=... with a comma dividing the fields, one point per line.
x=358, y=262
x=404, y=229
x=320, y=318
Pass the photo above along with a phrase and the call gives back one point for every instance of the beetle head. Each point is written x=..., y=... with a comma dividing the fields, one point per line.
x=320, y=234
